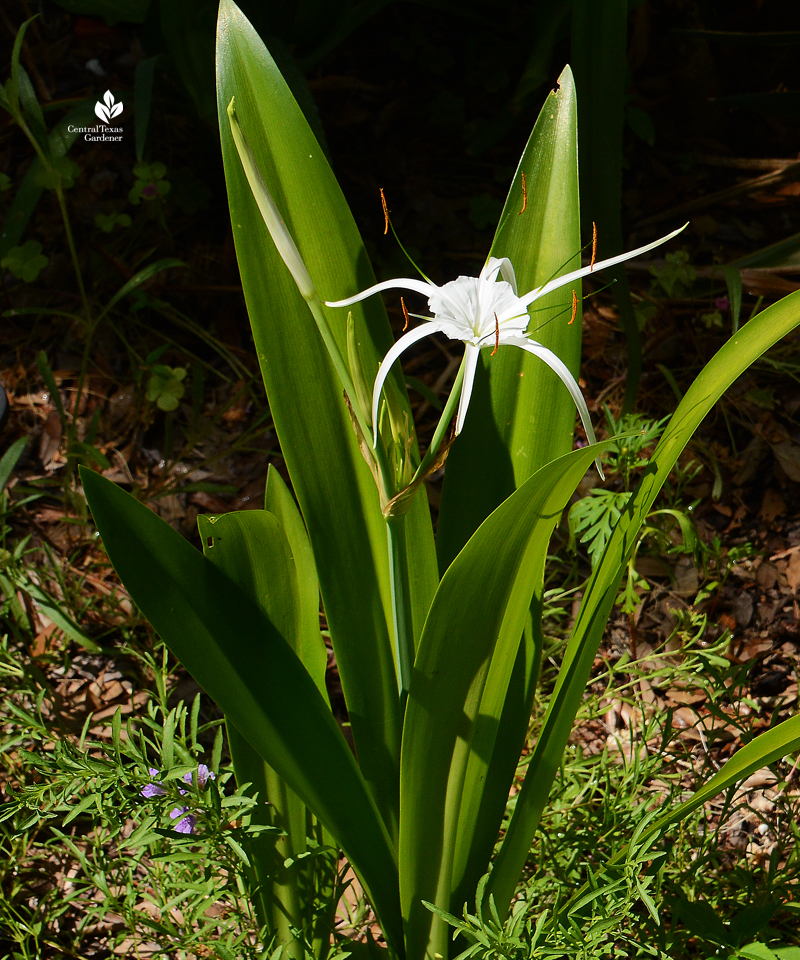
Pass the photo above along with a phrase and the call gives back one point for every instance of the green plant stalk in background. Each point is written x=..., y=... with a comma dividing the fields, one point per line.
x=438, y=675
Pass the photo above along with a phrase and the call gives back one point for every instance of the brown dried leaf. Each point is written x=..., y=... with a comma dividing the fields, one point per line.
x=773, y=505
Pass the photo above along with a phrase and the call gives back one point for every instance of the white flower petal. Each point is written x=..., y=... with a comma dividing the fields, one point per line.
x=418, y=333
x=471, y=354
x=568, y=278
x=560, y=368
x=403, y=283
x=501, y=265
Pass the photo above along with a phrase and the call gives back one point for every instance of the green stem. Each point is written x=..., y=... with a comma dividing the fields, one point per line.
x=398, y=551
x=315, y=305
x=90, y=324
x=401, y=604
x=442, y=426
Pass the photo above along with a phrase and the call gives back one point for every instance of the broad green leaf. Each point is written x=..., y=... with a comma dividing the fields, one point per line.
x=720, y=372
x=279, y=501
x=252, y=548
x=239, y=658
x=333, y=485
x=521, y=416
x=463, y=667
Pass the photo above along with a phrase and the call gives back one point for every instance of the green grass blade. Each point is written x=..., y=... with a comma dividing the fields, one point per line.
x=10, y=459
x=464, y=661
x=521, y=417
x=241, y=660
x=333, y=485
x=760, y=752
x=719, y=373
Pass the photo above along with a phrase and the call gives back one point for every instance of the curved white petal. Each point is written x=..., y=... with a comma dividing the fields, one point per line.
x=403, y=283
x=501, y=265
x=560, y=368
x=418, y=333
x=471, y=354
x=537, y=292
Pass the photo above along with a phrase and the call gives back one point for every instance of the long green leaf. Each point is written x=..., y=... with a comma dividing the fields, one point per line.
x=333, y=485
x=521, y=417
x=719, y=373
x=251, y=547
x=760, y=752
x=279, y=501
x=472, y=633
x=239, y=658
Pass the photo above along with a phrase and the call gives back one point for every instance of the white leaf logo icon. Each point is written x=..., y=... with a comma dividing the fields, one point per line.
x=108, y=108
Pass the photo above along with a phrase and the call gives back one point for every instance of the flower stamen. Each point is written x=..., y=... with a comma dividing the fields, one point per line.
x=594, y=247
x=496, y=335
x=524, y=195
x=385, y=212
x=574, y=308
x=405, y=314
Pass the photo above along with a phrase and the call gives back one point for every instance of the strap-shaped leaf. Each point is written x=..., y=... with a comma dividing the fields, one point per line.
x=333, y=485
x=521, y=417
x=280, y=502
x=251, y=547
x=238, y=657
x=472, y=633
x=730, y=361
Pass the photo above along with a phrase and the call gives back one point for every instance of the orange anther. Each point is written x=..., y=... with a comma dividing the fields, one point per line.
x=405, y=314
x=385, y=213
x=574, y=307
x=524, y=195
x=594, y=246
x=496, y=336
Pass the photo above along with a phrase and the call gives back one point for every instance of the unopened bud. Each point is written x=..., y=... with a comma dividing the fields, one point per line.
x=269, y=211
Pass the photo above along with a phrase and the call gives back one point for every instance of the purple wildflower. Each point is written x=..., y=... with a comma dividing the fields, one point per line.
x=186, y=824
x=153, y=789
x=203, y=776
x=722, y=303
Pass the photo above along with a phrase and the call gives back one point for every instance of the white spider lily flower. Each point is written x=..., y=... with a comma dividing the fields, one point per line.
x=484, y=311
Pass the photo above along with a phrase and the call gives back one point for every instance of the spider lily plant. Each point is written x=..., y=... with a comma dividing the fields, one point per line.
x=437, y=643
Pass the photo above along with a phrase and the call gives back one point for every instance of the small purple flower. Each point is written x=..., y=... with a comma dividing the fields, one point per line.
x=203, y=776
x=722, y=303
x=153, y=789
x=186, y=824
x=149, y=192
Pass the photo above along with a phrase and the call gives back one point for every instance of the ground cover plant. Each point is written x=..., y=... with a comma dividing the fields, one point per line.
x=626, y=893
